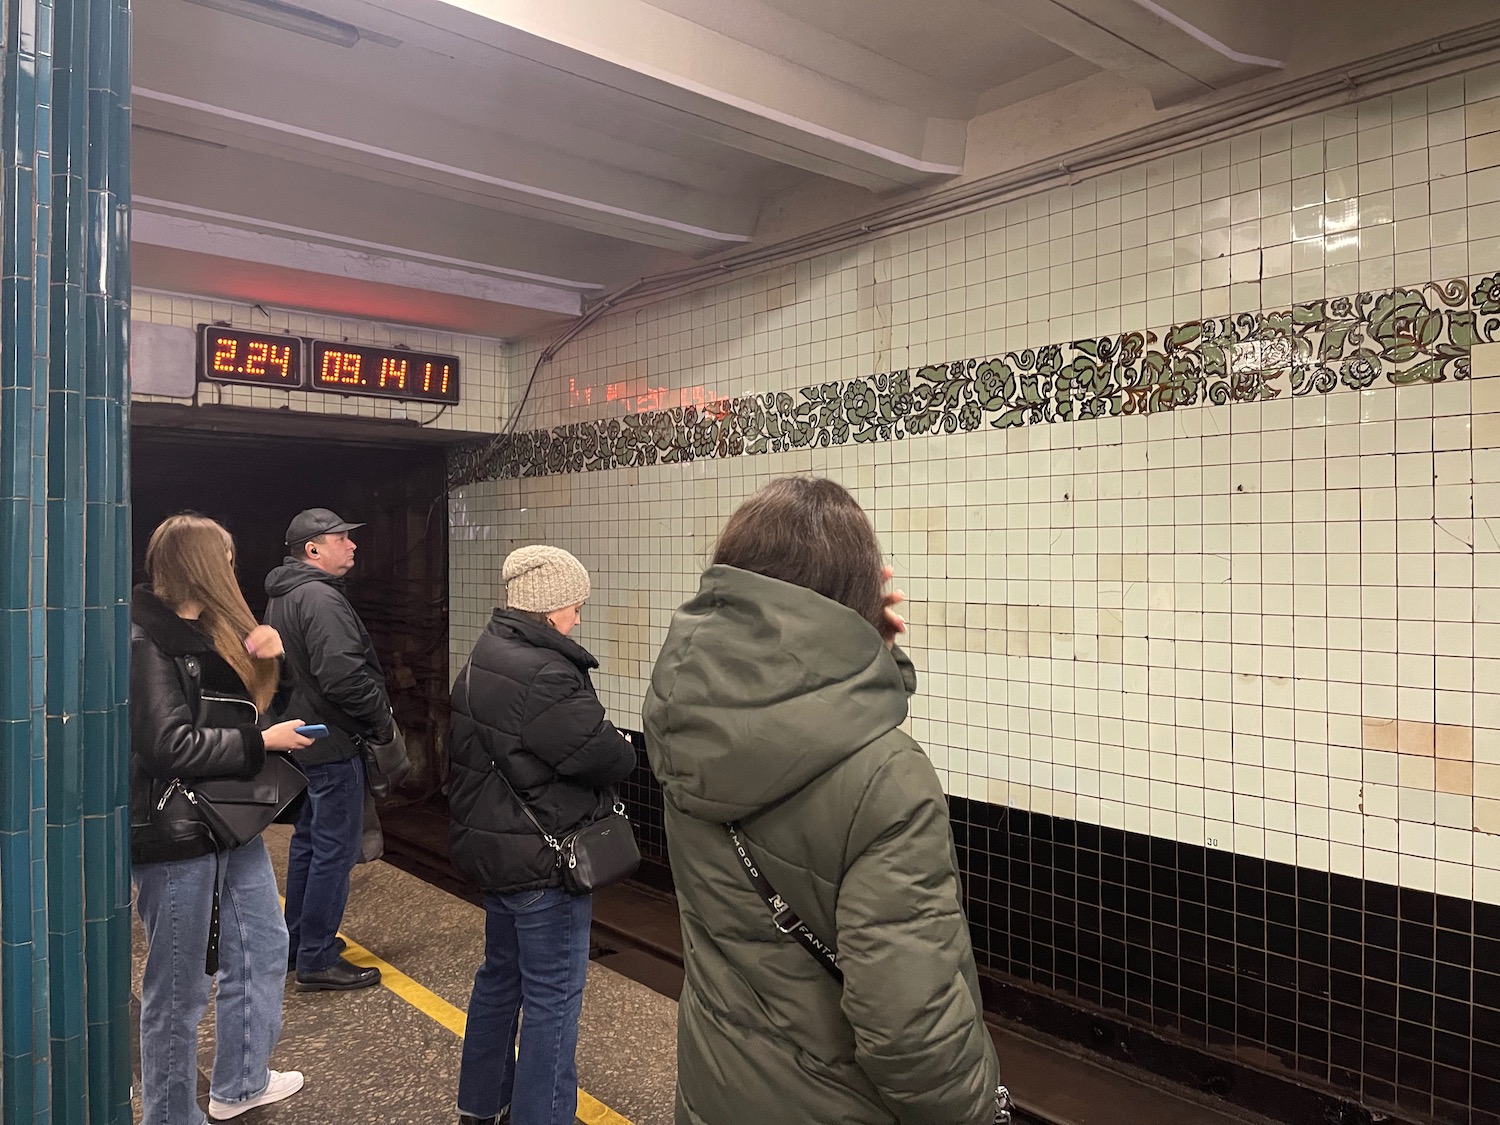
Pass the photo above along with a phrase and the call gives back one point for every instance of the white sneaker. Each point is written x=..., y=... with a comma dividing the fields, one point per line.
x=283, y=1084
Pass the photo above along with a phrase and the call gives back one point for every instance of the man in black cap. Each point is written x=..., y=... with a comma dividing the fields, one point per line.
x=337, y=682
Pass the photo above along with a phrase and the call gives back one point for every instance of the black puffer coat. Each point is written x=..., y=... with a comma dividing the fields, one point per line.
x=524, y=705
x=173, y=663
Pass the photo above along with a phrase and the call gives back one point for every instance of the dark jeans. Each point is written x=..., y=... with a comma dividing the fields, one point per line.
x=536, y=960
x=325, y=848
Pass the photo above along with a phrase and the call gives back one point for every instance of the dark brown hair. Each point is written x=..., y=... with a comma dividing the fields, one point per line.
x=190, y=558
x=810, y=532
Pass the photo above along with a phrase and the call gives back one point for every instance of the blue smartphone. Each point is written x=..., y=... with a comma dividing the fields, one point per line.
x=317, y=730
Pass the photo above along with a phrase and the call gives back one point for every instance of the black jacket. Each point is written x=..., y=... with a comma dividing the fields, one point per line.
x=336, y=675
x=524, y=705
x=173, y=663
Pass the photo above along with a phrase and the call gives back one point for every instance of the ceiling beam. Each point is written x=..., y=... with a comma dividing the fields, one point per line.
x=549, y=184
x=157, y=222
x=745, y=97
x=363, y=208
x=1144, y=42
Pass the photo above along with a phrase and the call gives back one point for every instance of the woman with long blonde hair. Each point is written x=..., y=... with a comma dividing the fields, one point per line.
x=202, y=671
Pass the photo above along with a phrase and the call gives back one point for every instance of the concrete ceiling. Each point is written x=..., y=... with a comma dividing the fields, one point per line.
x=490, y=166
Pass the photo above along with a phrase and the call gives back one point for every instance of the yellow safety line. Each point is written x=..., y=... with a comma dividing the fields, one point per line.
x=591, y=1110
x=423, y=999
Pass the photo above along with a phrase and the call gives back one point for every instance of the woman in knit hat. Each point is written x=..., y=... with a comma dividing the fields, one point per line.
x=527, y=726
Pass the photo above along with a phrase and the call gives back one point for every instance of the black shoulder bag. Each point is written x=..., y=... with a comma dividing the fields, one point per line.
x=785, y=919
x=232, y=810
x=238, y=809
x=591, y=857
x=386, y=763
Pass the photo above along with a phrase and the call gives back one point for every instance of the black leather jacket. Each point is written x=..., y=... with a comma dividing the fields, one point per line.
x=172, y=663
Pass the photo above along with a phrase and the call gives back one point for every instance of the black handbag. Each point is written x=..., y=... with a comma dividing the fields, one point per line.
x=238, y=809
x=232, y=810
x=599, y=854
x=593, y=856
x=386, y=763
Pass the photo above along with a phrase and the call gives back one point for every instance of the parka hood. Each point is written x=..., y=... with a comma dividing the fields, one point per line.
x=293, y=573
x=761, y=687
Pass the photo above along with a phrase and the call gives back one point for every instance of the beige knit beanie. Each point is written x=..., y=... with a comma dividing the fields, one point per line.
x=540, y=579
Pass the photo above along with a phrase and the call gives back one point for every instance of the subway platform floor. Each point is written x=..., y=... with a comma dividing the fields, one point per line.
x=388, y=1055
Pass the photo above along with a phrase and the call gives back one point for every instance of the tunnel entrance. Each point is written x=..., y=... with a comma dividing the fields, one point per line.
x=255, y=483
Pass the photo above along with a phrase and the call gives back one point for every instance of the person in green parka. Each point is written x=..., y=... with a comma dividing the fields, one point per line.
x=776, y=705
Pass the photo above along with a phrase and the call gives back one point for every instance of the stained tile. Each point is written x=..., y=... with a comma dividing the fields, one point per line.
x=1454, y=743
x=1415, y=738
x=1455, y=777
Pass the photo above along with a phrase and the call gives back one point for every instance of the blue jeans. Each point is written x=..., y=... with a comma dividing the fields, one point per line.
x=174, y=900
x=536, y=959
x=325, y=848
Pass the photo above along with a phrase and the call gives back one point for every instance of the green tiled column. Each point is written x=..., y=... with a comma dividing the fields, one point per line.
x=64, y=564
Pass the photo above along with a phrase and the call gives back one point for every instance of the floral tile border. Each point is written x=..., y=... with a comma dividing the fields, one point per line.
x=1403, y=336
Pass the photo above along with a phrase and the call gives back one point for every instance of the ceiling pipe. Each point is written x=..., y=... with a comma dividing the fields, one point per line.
x=288, y=17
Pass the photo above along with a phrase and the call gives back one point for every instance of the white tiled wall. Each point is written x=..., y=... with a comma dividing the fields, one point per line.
x=482, y=362
x=1267, y=626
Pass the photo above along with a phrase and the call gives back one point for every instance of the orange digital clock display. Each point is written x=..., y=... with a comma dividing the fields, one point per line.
x=355, y=369
x=233, y=355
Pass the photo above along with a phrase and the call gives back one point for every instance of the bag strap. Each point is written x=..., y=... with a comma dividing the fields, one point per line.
x=552, y=841
x=782, y=916
x=211, y=953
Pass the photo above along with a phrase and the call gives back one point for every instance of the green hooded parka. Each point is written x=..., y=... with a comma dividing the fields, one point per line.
x=778, y=708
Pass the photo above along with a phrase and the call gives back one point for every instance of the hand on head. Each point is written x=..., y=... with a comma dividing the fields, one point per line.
x=263, y=643
x=895, y=624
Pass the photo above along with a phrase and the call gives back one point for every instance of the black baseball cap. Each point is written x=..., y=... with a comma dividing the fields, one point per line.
x=314, y=522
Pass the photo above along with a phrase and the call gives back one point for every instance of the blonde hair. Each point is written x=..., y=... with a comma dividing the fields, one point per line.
x=190, y=558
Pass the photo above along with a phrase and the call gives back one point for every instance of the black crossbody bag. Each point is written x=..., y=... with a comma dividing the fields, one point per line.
x=232, y=810
x=785, y=919
x=592, y=856
x=238, y=809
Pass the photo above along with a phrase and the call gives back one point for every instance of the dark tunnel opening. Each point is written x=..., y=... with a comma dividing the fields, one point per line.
x=255, y=484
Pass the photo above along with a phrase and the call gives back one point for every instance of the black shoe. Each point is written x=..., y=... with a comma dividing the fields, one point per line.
x=501, y=1118
x=338, y=977
x=339, y=945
